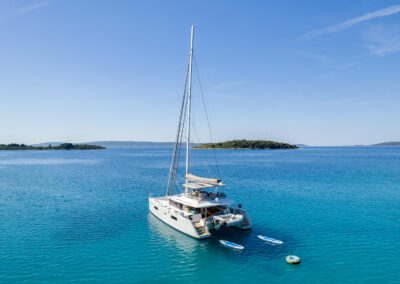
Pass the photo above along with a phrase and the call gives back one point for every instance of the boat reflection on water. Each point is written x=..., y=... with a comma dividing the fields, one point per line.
x=163, y=234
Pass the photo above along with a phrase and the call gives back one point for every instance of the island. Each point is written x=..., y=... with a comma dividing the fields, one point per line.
x=389, y=144
x=246, y=144
x=64, y=146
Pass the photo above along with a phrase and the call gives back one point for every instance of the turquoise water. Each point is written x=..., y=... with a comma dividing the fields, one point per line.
x=82, y=216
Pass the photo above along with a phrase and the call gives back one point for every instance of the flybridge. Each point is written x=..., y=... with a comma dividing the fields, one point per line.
x=195, y=182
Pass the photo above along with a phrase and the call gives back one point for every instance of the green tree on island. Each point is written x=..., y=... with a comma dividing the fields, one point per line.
x=246, y=144
x=64, y=146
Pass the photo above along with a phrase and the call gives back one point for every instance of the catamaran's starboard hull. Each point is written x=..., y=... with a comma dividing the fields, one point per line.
x=159, y=208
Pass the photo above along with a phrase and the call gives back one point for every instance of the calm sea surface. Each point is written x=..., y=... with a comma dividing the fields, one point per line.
x=82, y=216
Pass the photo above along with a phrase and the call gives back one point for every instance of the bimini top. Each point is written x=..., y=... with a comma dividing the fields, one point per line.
x=195, y=182
x=186, y=200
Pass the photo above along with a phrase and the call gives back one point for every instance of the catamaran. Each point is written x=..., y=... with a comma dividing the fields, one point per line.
x=202, y=206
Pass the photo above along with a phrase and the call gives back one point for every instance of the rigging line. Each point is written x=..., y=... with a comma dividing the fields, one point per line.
x=205, y=111
x=180, y=141
x=210, y=170
x=179, y=150
x=176, y=158
x=172, y=168
x=173, y=162
x=179, y=144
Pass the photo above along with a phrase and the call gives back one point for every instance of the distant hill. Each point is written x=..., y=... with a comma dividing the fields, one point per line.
x=46, y=144
x=133, y=144
x=121, y=144
x=247, y=144
x=301, y=145
x=394, y=143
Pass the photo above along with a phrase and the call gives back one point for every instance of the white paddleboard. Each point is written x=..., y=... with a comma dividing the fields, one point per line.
x=270, y=240
x=230, y=244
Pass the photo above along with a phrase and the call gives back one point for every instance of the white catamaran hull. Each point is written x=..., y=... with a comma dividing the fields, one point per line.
x=159, y=207
x=172, y=217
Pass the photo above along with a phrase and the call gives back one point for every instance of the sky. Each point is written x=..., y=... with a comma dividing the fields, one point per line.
x=309, y=72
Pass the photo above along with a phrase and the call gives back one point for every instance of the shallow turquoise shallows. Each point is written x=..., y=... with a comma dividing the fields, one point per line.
x=82, y=216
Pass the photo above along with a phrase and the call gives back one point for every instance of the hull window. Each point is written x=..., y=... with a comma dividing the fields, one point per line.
x=173, y=217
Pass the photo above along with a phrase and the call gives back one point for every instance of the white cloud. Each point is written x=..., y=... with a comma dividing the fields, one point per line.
x=383, y=40
x=345, y=25
x=26, y=9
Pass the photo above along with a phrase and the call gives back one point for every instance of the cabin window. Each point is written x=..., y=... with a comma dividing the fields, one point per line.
x=175, y=204
x=155, y=207
x=173, y=217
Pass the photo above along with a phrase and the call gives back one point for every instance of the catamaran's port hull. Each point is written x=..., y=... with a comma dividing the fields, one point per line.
x=169, y=216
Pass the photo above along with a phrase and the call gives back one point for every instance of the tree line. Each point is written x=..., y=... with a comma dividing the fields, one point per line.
x=247, y=144
x=64, y=146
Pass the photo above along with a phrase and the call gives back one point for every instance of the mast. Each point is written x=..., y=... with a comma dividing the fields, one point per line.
x=189, y=103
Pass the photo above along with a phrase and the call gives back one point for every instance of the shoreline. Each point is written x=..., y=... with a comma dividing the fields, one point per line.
x=245, y=148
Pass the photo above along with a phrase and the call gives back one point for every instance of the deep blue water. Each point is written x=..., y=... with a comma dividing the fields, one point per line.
x=82, y=216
